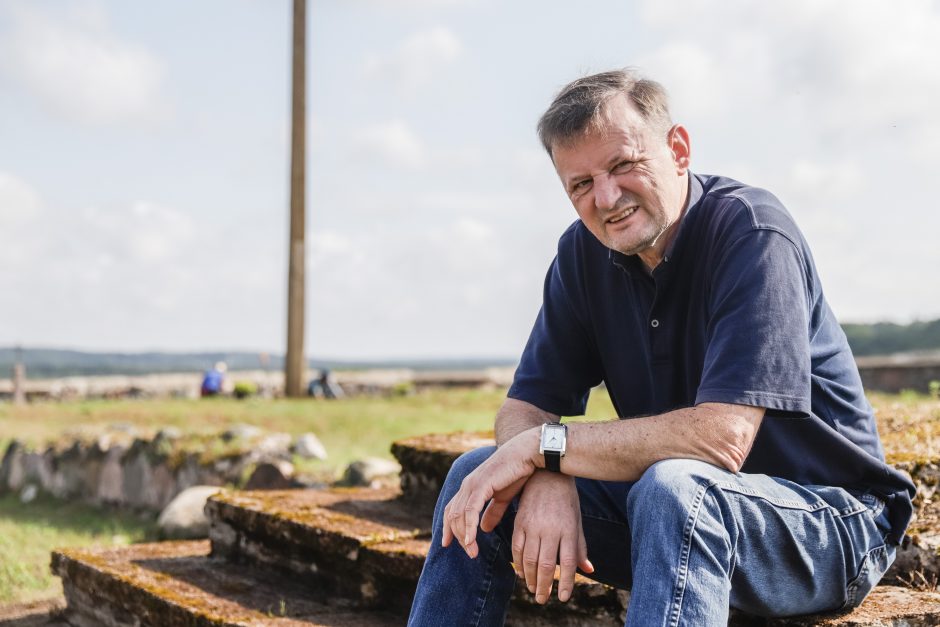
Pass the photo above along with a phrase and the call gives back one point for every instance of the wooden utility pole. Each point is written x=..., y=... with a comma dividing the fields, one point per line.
x=294, y=364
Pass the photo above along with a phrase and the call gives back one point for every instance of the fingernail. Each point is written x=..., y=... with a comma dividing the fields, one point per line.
x=532, y=589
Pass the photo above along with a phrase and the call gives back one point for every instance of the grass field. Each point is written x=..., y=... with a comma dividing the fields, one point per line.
x=29, y=532
x=349, y=428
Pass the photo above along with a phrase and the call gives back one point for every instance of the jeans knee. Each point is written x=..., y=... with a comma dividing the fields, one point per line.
x=673, y=482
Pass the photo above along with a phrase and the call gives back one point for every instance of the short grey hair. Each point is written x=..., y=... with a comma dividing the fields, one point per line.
x=581, y=106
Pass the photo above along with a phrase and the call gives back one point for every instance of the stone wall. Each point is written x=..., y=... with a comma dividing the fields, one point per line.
x=125, y=469
x=899, y=372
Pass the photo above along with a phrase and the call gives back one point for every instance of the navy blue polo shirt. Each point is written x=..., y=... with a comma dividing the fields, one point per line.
x=735, y=313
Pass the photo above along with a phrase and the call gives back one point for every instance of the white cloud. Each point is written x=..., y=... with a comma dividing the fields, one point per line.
x=75, y=66
x=417, y=59
x=144, y=232
x=394, y=142
x=18, y=200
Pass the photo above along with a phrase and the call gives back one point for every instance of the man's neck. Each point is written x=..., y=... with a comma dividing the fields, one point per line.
x=653, y=256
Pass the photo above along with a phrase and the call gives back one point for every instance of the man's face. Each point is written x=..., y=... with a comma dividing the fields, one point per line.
x=627, y=182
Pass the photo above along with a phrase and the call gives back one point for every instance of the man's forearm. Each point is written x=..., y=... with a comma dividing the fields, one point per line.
x=622, y=450
x=516, y=416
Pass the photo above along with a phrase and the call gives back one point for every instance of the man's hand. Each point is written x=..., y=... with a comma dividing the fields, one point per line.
x=498, y=480
x=548, y=528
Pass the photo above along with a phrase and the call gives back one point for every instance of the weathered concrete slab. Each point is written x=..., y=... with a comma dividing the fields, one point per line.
x=426, y=459
x=886, y=606
x=312, y=534
x=176, y=583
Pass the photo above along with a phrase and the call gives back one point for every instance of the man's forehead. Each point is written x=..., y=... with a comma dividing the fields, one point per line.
x=618, y=122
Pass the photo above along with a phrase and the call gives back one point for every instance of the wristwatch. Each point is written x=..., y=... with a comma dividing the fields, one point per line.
x=552, y=444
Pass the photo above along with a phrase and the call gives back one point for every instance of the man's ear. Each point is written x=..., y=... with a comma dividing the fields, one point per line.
x=681, y=147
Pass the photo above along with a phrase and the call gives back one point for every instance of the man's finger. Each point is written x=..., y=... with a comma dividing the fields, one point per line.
x=471, y=518
x=548, y=554
x=568, y=561
x=530, y=562
x=583, y=562
x=493, y=514
x=446, y=534
x=454, y=520
x=518, y=544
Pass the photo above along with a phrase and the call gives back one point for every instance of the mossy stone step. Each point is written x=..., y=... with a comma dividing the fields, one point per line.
x=426, y=459
x=177, y=583
x=315, y=535
x=367, y=545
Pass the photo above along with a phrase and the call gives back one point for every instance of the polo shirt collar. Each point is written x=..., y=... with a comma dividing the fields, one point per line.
x=630, y=263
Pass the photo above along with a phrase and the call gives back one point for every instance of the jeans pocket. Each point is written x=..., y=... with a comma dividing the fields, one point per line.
x=872, y=569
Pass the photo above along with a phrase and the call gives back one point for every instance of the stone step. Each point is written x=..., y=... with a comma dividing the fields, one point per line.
x=369, y=546
x=426, y=459
x=180, y=584
x=177, y=583
x=366, y=545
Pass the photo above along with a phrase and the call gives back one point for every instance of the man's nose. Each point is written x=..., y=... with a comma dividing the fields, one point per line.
x=606, y=192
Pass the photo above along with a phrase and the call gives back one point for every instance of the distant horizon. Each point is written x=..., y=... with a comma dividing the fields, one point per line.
x=402, y=357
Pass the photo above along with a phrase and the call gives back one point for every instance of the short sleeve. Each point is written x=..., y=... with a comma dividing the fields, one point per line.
x=757, y=339
x=559, y=365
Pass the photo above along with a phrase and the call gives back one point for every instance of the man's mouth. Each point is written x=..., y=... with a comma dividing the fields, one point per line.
x=622, y=215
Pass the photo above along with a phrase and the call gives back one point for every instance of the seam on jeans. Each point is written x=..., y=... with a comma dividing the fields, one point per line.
x=487, y=583
x=683, y=566
x=778, y=502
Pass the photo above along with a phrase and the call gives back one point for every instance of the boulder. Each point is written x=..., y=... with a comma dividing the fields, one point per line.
x=11, y=469
x=309, y=446
x=273, y=475
x=184, y=518
x=369, y=471
x=241, y=432
x=274, y=445
x=111, y=478
x=28, y=493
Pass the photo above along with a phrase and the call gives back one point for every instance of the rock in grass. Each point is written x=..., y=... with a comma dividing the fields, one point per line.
x=364, y=472
x=273, y=475
x=28, y=494
x=309, y=446
x=184, y=518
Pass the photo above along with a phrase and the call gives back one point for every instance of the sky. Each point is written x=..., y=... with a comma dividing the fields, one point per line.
x=144, y=160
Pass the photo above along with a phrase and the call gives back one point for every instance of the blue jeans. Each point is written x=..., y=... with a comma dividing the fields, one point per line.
x=689, y=540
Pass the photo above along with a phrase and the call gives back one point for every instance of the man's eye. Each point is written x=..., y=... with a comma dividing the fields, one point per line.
x=623, y=167
x=581, y=185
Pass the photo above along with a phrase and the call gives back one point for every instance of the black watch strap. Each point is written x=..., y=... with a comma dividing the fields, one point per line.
x=553, y=461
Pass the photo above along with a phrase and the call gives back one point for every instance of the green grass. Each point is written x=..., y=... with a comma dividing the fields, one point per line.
x=28, y=533
x=349, y=429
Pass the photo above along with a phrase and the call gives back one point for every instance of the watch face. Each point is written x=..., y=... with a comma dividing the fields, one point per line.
x=553, y=438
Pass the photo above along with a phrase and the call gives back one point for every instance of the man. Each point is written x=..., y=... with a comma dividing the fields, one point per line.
x=749, y=473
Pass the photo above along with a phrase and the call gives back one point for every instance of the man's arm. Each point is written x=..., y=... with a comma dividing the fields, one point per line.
x=718, y=433
x=516, y=416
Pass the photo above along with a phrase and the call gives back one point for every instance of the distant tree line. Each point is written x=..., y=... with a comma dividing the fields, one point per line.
x=884, y=338
x=44, y=363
